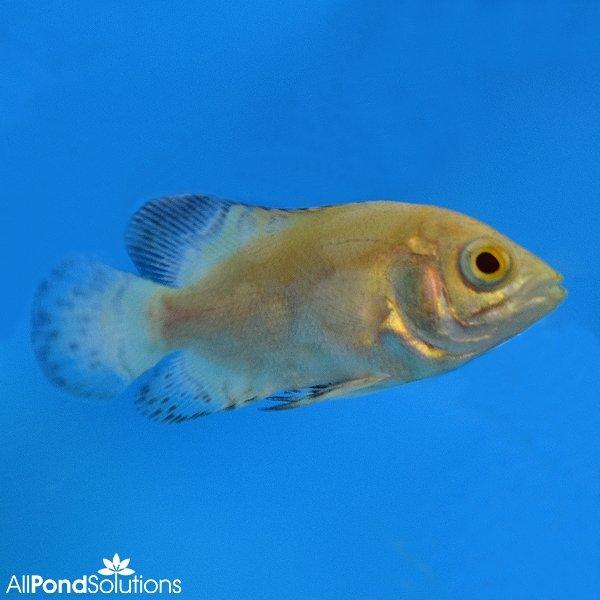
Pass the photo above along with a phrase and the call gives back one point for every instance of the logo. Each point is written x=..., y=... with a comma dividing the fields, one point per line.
x=116, y=567
x=117, y=578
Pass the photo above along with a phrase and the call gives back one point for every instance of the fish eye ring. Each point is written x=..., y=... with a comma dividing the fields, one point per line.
x=484, y=263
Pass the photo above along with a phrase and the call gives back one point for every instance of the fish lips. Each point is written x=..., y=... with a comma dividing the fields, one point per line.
x=525, y=304
x=546, y=296
x=533, y=301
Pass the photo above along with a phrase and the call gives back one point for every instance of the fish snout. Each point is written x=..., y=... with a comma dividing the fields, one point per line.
x=554, y=288
x=545, y=294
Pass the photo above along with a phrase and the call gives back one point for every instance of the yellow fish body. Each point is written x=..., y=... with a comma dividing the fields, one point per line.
x=241, y=303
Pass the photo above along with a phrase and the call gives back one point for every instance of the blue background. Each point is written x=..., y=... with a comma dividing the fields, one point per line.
x=484, y=483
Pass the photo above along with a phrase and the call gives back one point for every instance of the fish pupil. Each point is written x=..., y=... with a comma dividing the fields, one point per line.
x=487, y=263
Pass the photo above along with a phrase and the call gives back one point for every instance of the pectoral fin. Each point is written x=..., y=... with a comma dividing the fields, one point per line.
x=310, y=395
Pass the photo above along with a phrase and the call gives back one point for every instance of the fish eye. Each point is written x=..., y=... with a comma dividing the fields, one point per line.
x=484, y=263
x=487, y=263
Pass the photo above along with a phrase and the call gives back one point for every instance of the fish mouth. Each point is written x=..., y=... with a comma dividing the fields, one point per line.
x=526, y=301
x=549, y=292
x=511, y=316
x=530, y=302
x=536, y=301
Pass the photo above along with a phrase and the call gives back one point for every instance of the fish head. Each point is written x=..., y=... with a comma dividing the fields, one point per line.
x=464, y=288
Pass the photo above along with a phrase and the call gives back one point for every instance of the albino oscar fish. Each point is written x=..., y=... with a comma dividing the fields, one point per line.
x=235, y=304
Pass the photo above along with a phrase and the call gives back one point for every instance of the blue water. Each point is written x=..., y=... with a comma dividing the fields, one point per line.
x=483, y=483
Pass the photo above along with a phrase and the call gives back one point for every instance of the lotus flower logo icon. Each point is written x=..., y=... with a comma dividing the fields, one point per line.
x=116, y=567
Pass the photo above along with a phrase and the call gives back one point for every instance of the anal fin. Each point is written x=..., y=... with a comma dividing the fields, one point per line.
x=185, y=386
x=180, y=388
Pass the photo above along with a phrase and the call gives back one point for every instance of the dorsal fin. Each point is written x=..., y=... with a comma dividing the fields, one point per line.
x=175, y=240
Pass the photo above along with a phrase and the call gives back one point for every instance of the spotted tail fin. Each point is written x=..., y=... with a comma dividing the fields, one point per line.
x=91, y=328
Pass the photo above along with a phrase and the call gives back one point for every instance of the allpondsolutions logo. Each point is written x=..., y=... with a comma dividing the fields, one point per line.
x=116, y=577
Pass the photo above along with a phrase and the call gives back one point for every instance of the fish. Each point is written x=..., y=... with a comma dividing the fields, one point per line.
x=236, y=304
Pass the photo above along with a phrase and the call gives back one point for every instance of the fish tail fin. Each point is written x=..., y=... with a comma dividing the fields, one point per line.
x=92, y=329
